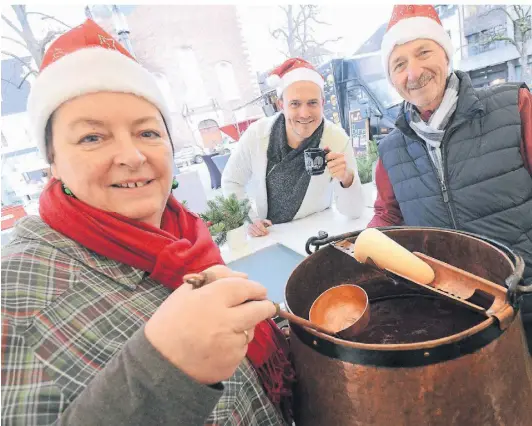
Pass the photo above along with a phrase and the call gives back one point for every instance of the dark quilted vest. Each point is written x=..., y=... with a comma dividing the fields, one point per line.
x=488, y=190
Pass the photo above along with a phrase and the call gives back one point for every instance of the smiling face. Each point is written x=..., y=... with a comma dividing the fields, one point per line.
x=302, y=105
x=112, y=150
x=418, y=70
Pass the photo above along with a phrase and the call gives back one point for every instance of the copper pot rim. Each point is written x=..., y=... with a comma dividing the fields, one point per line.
x=455, y=231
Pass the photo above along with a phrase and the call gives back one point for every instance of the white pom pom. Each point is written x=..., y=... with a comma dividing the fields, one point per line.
x=273, y=80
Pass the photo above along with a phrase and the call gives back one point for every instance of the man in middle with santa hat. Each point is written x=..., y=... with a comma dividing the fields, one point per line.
x=270, y=162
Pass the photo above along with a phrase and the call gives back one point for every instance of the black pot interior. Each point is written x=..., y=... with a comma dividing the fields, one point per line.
x=400, y=312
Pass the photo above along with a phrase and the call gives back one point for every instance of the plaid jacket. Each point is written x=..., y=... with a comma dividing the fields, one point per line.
x=66, y=311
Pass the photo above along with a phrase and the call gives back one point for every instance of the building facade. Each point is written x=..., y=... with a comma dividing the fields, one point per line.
x=200, y=58
x=473, y=30
x=488, y=60
x=24, y=172
x=197, y=54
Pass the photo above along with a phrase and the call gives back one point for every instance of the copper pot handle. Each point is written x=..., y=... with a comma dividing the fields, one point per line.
x=515, y=290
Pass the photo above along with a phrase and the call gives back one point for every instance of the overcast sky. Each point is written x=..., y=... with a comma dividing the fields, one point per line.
x=353, y=23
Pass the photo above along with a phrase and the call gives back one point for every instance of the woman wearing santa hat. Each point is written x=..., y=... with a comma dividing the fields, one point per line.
x=97, y=325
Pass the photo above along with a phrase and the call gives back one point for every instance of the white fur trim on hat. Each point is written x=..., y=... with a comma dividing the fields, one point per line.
x=300, y=74
x=414, y=28
x=89, y=70
x=273, y=81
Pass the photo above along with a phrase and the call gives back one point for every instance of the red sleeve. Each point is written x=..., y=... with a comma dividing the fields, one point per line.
x=525, y=110
x=387, y=212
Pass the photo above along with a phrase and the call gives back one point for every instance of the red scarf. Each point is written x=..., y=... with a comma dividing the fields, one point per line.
x=183, y=245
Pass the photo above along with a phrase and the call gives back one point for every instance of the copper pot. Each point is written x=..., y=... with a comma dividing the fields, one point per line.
x=422, y=360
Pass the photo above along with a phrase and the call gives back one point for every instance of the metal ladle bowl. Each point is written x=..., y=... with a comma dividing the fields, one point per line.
x=343, y=309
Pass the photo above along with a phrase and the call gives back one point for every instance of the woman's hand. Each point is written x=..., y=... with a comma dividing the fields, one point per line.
x=217, y=272
x=205, y=332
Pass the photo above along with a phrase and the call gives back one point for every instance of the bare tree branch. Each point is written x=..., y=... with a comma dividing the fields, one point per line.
x=8, y=22
x=317, y=21
x=32, y=72
x=14, y=41
x=10, y=82
x=18, y=86
x=17, y=58
x=35, y=46
x=45, y=16
x=497, y=8
x=276, y=33
x=283, y=53
x=48, y=38
x=503, y=38
x=284, y=10
x=326, y=41
x=299, y=31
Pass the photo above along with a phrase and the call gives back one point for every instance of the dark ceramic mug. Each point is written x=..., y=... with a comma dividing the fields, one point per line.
x=315, y=160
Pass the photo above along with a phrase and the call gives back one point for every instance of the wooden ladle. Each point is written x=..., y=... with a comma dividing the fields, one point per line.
x=341, y=311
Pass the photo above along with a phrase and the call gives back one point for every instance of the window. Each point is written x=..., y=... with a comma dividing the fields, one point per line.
x=445, y=10
x=470, y=11
x=484, y=41
x=476, y=10
x=207, y=124
x=166, y=90
x=227, y=80
x=195, y=93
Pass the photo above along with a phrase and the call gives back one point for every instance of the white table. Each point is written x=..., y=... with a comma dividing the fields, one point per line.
x=295, y=234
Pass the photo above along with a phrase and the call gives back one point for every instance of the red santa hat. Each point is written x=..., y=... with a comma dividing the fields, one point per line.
x=291, y=71
x=84, y=60
x=412, y=22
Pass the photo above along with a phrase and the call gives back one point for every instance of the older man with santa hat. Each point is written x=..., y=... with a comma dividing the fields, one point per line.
x=270, y=155
x=459, y=157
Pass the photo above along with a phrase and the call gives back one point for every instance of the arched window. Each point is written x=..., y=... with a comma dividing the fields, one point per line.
x=207, y=124
x=227, y=80
x=166, y=90
x=195, y=92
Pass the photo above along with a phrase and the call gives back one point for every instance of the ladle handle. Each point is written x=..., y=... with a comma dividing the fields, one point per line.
x=199, y=280
x=301, y=321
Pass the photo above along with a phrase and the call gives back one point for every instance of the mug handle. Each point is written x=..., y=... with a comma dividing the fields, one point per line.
x=326, y=151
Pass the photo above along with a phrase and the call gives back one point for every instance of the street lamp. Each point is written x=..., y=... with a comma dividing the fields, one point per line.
x=121, y=28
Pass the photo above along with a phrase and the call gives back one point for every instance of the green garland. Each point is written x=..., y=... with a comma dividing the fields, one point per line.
x=365, y=162
x=225, y=214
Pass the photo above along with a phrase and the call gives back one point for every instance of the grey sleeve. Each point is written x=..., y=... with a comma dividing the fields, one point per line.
x=140, y=387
